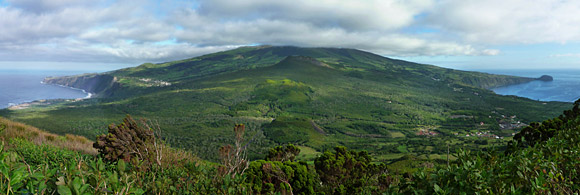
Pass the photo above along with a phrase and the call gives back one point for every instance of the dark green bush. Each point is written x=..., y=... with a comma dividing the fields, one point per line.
x=283, y=153
x=275, y=176
x=349, y=172
x=541, y=132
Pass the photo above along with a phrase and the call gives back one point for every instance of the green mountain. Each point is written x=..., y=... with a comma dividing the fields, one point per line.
x=316, y=98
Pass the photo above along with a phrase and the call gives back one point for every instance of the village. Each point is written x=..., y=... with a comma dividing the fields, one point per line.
x=510, y=122
x=154, y=83
x=504, y=122
x=483, y=134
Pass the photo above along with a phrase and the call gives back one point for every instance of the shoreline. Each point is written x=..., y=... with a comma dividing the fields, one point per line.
x=28, y=104
x=89, y=95
x=563, y=88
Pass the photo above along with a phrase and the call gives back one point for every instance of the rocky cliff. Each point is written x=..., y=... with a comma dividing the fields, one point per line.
x=91, y=83
x=494, y=81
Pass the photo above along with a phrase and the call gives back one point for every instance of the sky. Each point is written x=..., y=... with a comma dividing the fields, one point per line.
x=462, y=34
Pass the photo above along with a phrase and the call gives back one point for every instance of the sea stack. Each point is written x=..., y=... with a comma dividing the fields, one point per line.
x=546, y=78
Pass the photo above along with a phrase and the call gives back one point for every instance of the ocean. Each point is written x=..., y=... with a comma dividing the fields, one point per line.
x=20, y=86
x=564, y=88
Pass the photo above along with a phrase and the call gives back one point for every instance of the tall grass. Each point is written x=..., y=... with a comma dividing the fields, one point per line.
x=15, y=130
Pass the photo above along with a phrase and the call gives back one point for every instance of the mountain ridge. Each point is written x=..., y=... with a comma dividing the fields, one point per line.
x=87, y=81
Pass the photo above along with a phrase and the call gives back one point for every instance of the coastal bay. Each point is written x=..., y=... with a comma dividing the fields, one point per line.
x=563, y=88
x=21, y=87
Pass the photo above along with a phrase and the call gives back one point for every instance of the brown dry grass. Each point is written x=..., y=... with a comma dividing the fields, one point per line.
x=40, y=137
x=172, y=157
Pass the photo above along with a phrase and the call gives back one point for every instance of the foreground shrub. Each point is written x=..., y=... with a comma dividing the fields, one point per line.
x=234, y=158
x=37, y=172
x=540, y=132
x=350, y=172
x=130, y=141
x=283, y=153
x=284, y=177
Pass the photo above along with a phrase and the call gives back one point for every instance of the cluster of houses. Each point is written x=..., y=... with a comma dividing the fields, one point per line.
x=505, y=122
x=484, y=134
x=426, y=132
x=510, y=122
x=151, y=82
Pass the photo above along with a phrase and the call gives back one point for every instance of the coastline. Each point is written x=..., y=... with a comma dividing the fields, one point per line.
x=89, y=95
x=563, y=87
x=28, y=104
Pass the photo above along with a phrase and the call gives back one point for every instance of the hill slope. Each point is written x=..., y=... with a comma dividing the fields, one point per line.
x=11, y=131
x=314, y=97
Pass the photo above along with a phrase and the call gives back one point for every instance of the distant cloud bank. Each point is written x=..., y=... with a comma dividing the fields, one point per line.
x=135, y=31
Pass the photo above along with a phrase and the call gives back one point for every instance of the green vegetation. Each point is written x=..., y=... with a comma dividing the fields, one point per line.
x=26, y=167
x=534, y=164
x=313, y=97
x=548, y=166
x=286, y=153
x=347, y=172
x=541, y=132
x=409, y=128
x=17, y=133
x=281, y=176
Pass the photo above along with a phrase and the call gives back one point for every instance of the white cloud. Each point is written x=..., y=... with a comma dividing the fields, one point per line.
x=156, y=53
x=509, y=22
x=146, y=30
x=490, y=52
x=373, y=25
x=347, y=14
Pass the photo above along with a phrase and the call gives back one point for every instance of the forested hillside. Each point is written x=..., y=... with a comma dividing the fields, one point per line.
x=315, y=98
